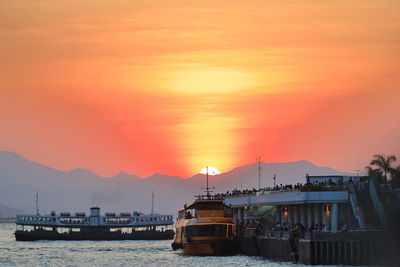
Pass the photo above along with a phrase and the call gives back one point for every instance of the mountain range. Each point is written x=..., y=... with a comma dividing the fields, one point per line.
x=78, y=189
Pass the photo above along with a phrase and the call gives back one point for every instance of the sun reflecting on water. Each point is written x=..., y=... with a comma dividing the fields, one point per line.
x=109, y=253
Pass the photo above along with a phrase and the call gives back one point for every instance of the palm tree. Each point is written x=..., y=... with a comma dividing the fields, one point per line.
x=384, y=163
x=395, y=174
x=375, y=174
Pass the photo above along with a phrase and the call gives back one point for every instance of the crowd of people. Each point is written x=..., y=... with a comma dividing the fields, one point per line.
x=236, y=192
x=281, y=187
x=297, y=230
x=298, y=227
x=254, y=191
x=315, y=186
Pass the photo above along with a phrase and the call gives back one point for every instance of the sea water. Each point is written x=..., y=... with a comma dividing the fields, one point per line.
x=110, y=253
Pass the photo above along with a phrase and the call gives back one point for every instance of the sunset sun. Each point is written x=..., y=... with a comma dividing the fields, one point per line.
x=211, y=171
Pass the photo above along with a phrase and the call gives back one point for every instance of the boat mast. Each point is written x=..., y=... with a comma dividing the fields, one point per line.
x=37, y=202
x=259, y=172
x=207, y=189
x=152, y=202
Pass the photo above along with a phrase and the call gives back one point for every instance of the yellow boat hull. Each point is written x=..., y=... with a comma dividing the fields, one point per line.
x=209, y=248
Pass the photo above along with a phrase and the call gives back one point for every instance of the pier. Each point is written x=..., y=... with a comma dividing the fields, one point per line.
x=328, y=220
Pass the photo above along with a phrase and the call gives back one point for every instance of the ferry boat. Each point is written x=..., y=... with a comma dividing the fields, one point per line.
x=65, y=226
x=205, y=227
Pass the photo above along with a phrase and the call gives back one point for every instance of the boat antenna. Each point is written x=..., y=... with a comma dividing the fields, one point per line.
x=207, y=189
x=152, y=202
x=37, y=202
x=207, y=180
x=259, y=172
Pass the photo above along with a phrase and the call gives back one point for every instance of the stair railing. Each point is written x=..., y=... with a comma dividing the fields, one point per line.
x=357, y=210
x=378, y=206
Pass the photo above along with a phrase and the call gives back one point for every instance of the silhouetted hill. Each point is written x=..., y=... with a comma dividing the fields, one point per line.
x=7, y=212
x=78, y=189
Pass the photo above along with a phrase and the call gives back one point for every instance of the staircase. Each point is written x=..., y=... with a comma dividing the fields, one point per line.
x=365, y=201
x=378, y=206
x=357, y=210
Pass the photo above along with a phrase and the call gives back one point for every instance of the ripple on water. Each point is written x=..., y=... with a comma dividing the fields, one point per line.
x=109, y=253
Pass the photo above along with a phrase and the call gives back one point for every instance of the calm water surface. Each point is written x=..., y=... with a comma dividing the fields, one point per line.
x=109, y=253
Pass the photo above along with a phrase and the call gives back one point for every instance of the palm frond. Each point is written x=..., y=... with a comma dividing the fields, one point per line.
x=376, y=162
x=391, y=158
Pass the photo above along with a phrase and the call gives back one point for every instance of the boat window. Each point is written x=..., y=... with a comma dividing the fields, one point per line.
x=181, y=214
x=206, y=230
x=189, y=214
x=209, y=206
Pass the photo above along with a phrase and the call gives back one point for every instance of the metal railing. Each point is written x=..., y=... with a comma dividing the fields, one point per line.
x=69, y=221
x=378, y=206
x=357, y=210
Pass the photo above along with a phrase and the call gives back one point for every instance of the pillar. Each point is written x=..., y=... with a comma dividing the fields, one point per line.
x=334, y=216
x=323, y=214
x=278, y=214
x=240, y=215
x=235, y=216
x=309, y=215
x=317, y=214
x=291, y=215
x=302, y=215
x=295, y=214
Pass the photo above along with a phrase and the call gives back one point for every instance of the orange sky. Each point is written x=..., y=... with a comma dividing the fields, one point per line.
x=172, y=86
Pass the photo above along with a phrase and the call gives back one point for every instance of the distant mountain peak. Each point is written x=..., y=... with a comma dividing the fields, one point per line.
x=122, y=175
x=82, y=171
x=157, y=175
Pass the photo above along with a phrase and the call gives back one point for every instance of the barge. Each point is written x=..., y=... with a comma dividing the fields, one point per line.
x=78, y=226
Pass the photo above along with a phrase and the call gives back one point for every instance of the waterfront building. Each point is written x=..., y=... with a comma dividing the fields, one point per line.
x=328, y=220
